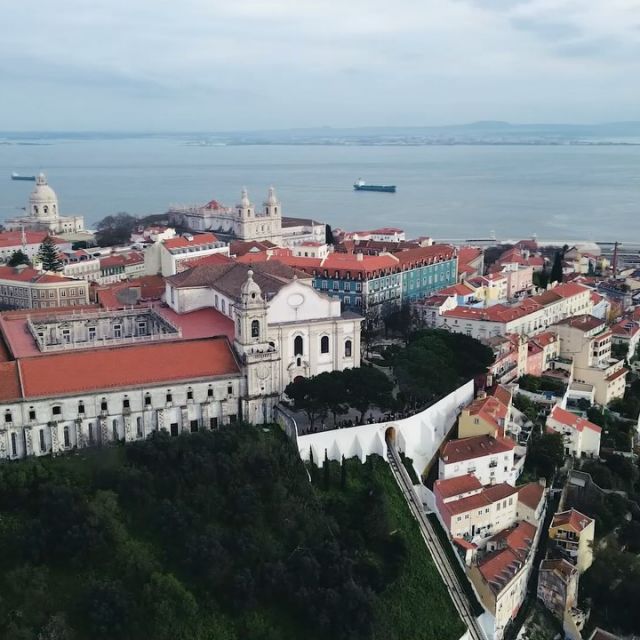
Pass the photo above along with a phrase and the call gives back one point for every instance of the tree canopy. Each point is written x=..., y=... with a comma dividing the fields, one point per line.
x=49, y=256
x=207, y=535
x=17, y=258
x=115, y=229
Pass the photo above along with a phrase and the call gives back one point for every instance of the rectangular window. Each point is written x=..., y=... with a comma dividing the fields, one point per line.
x=92, y=333
x=194, y=426
x=210, y=392
x=229, y=390
x=147, y=401
x=169, y=397
x=126, y=404
x=103, y=406
x=190, y=394
x=233, y=418
x=43, y=445
x=117, y=331
x=57, y=410
x=213, y=423
x=8, y=417
x=32, y=414
x=14, y=445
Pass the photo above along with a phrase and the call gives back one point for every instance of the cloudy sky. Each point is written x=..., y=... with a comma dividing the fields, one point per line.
x=220, y=65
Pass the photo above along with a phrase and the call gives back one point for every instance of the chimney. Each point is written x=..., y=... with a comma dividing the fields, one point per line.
x=359, y=257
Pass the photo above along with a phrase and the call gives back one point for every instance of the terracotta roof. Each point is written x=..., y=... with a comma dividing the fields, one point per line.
x=458, y=290
x=480, y=500
x=421, y=255
x=228, y=278
x=545, y=339
x=474, y=447
x=497, y=492
x=617, y=374
x=14, y=238
x=240, y=247
x=456, y=486
x=571, y=519
x=214, y=258
x=130, y=366
x=122, y=259
x=584, y=322
x=531, y=494
x=461, y=542
x=625, y=328
x=499, y=568
x=9, y=381
x=561, y=567
x=501, y=393
x=130, y=292
x=181, y=242
x=572, y=420
x=29, y=274
x=490, y=409
x=299, y=222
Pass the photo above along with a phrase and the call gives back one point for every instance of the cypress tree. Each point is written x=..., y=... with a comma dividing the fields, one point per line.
x=556, y=269
x=343, y=474
x=48, y=255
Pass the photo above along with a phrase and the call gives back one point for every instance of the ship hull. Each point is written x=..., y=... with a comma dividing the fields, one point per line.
x=375, y=187
x=29, y=178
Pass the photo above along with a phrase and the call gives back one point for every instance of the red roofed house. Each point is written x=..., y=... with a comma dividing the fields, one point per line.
x=491, y=460
x=532, y=501
x=486, y=415
x=626, y=333
x=28, y=241
x=572, y=534
x=581, y=437
x=471, y=511
x=470, y=262
x=165, y=257
x=500, y=577
x=24, y=287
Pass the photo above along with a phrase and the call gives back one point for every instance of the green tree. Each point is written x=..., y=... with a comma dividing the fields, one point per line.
x=305, y=396
x=17, y=258
x=541, y=278
x=49, y=256
x=115, y=229
x=545, y=453
x=328, y=235
x=366, y=387
x=329, y=387
x=556, y=268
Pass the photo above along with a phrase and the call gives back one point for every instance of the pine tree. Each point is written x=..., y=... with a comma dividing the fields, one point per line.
x=17, y=258
x=556, y=269
x=48, y=255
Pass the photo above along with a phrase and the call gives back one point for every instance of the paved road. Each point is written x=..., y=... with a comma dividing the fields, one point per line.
x=432, y=541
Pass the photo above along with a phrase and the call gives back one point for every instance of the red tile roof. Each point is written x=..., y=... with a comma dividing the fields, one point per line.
x=502, y=394
x=531, y=494
x=14, y=238
x=457, y=290
x=625, y=328
x=456, y=486
x=29, y=274
x=474, y=447
x=545, y=339
x=214, y=258
x=130, y=366
x=617, y=374
x=122, y=259
x=571, y=519
x=198, y=238
x=490, y=409
x=584, y=322
x=9, y=381
x=572, y=420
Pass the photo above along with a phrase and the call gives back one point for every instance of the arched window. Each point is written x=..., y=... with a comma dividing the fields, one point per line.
x=45, y=209
x=223, y=304
x=255, y=329
x=324, y=344
x=297, y=346
x=115, y=429
x=67, y=441
x=139, y=427
x=347, y=349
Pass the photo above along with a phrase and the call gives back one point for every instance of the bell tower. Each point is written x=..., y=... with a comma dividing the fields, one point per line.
x=273, y=211
x=259, y=356
x=245, y=214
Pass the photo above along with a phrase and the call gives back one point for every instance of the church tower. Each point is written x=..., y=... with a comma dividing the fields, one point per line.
x=245, y=216
x=258, y=354
x=273, y=211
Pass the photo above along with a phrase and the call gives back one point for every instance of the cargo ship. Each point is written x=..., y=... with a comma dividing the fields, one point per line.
x=361, y=185
x=15, y=176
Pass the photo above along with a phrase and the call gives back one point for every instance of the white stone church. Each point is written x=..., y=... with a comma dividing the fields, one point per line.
x=223, y=350
x=44, y=213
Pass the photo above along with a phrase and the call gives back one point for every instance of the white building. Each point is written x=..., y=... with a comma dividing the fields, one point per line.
x=491, y=460
x=473, y=512
x=169, y=256
x=581, y=437
x=44, y=214
x=242, y=222
x=284, y=329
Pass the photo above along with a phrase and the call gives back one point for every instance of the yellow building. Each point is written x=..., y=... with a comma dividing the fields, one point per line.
x=573, y=533
x=486, y=415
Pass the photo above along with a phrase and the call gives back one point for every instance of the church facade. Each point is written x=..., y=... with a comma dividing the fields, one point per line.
x=44, y=214
x=242, y=222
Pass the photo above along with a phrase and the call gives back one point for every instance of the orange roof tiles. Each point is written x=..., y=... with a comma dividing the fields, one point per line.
x=572, y=420
x=456, y=486
x=122, y=367
x=474, y=447
x=14, y=238
x=571, y=519
x=584, y=322
x=502, y=394
x=9, y=381
x=29, y=274
x=531, y=494
x=198, y=239
x=458, y=290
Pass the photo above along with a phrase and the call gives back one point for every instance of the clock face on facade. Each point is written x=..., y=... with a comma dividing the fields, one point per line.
x=295, y=300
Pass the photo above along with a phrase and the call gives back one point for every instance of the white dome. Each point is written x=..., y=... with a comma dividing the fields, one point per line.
x=43, y=201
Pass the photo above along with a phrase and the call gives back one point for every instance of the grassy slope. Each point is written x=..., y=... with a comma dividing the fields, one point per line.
x=416, y=606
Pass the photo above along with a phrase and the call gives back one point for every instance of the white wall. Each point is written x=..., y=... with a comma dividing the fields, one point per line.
x=419, y=436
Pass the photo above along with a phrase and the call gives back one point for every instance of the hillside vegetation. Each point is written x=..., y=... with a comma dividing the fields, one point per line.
x=215, y=535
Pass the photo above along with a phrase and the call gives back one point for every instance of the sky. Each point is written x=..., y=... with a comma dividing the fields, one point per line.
x=213, y=65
